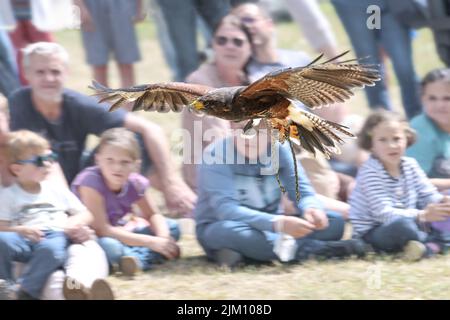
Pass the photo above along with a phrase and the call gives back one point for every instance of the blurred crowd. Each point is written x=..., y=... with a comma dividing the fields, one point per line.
x=70, y=216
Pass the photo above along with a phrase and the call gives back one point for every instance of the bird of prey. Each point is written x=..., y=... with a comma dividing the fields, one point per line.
x=315, y=85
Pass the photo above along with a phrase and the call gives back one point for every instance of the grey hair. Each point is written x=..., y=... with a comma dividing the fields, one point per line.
x=45, y=49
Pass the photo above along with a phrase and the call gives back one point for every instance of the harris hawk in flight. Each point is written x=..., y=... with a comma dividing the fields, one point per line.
x=269, y=98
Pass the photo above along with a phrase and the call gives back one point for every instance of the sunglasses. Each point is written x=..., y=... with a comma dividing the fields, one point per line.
x=221, y=41
x=248, y=20
x=39, y=161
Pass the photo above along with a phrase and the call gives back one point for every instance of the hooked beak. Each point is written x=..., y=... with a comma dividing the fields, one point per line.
x=197, y=105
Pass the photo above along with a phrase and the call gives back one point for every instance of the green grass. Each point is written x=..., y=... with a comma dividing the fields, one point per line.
x=193, y=277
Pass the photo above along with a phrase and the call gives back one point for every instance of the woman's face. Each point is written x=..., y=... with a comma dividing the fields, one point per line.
x=231, y=47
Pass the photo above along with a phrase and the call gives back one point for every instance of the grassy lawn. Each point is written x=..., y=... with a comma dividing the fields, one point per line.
x=193, y=277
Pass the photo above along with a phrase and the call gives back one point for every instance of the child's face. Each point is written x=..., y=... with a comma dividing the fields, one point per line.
x=389, y=142
x=34, y=168
x=116, y=164
x=436, y=102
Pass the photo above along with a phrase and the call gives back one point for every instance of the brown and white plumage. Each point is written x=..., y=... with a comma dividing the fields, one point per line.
x=315, y=85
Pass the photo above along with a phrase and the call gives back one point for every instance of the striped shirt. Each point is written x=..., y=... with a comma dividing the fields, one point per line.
x=379, y=198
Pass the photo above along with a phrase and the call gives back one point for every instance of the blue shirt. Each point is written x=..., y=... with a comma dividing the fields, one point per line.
x=432, y=148
x=232, y=190
x=81, y=115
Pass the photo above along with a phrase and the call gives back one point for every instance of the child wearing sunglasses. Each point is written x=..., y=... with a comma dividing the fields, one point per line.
x=110, y=190
x=38, y=218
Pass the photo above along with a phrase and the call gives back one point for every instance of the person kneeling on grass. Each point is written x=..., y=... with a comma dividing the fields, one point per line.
x=237, y=214
x=38, y=219
x=109, y=190
x=394, y=207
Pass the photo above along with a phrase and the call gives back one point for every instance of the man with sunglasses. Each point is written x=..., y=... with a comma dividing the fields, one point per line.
x=67, y=117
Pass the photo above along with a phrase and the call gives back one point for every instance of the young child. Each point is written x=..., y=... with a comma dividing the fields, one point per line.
x=393, y=201
x=109, y=190
x=38, y=218
x=432, y=149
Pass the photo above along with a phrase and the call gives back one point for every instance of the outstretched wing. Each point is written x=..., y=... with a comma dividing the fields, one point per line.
x=315, y=84
x=160, y=97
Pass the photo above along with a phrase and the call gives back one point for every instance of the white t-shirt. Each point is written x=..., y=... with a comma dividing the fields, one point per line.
x=49, y=209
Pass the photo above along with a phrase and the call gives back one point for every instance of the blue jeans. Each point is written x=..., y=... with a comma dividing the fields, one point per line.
x=258, y=245
x=394, y=38
x=43, y=258
x=393, y=236
x=115, y=249
x=180, y=23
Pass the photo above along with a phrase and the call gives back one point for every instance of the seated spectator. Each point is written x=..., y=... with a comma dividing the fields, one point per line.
x=38, y=219
x=67, y=117
x=432, y=149
x=237, y=214
x=109, y=190
x=393, y=202
x=232, y=50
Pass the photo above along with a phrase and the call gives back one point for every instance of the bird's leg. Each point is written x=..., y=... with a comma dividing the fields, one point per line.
x=273, y=140
x=291, y=146
x=248, y=126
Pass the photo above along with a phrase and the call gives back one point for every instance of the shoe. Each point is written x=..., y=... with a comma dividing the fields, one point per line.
x=229, y=258
x=7, y=290
x=344, y=248
x=75, y=290
x=129, y=266
x=414, y=251
x=101, y=290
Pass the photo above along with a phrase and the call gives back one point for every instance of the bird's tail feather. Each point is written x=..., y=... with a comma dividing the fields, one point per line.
x=315, y=133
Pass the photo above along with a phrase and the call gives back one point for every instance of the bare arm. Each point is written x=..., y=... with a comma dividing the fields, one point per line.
x=93, y=200
x=85, y=16
x=84, y=218
x=155, y=142
x=156, y=220
x=95, y=203
x=178, y=195
x=335, y=205
x=441, y=184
